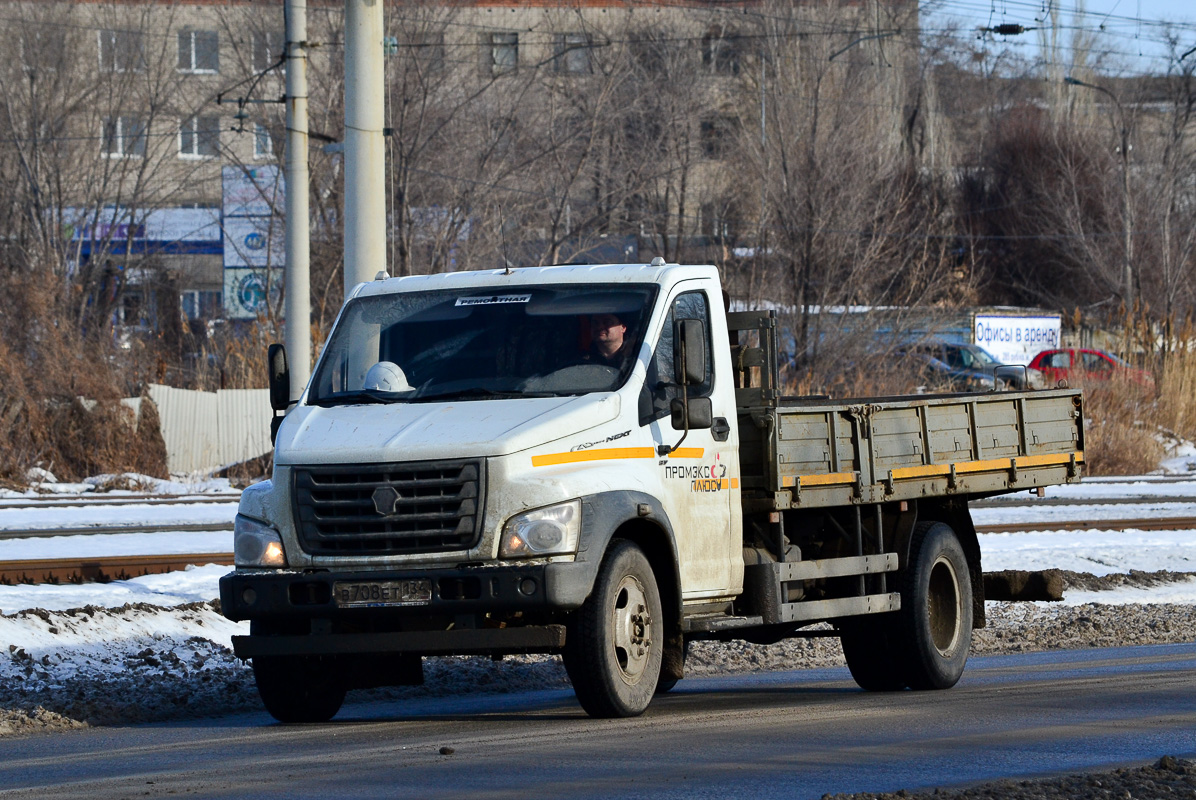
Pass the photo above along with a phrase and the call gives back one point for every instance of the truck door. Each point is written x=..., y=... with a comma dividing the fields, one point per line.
x=695, y=479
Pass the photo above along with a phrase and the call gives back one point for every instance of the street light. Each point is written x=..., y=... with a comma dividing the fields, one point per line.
x=1127, y=269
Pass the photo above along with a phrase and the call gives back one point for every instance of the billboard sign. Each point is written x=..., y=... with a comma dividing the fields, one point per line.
x=1013, y=339
x=245, y=293
x=253, y=242
x=253, y=191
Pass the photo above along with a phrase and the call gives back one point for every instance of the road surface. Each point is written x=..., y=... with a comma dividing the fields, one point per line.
x=781, y=735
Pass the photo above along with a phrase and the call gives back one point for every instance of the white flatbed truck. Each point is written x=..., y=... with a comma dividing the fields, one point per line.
x=463, y=476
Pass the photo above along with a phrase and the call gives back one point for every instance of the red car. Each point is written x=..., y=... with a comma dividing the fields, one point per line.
x=1077, y=365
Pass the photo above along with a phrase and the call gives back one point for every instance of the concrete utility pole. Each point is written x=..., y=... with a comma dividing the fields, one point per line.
x=298, y=239
x=1127, y=210
x=365, y=154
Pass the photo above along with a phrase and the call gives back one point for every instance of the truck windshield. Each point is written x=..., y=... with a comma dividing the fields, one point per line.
x=529, y=341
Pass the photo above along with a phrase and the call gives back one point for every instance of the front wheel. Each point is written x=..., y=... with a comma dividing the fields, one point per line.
x=300, y=688
x=613, y=644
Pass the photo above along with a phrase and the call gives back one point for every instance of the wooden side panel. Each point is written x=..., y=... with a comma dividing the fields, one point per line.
x=1050, y=427
x=897, y=439
x=997, y=429
x=845, y=444
x=950, y=430
x=804, y=445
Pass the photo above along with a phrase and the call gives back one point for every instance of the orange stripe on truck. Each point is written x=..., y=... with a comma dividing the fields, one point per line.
x=610, y=453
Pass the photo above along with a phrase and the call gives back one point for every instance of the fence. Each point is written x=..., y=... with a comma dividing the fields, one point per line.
x=205, y=431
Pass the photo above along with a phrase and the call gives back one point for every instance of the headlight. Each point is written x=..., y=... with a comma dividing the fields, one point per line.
x=545, y=531
x=256, y=544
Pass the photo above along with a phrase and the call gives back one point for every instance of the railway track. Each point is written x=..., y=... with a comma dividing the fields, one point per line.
x=110, y=568
x=145, y=500
x=93, y=530
x=102, y=569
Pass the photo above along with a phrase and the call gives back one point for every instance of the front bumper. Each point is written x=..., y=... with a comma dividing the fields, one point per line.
x=287, y=595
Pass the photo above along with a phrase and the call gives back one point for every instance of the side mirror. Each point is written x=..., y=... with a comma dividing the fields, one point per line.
x=689, y=352
x=701, y=414
x=280, y=377
x=1013, y=376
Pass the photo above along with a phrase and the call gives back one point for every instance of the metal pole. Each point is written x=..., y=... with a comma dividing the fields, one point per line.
x=1127, y=264
x=298, y=240
x=365, y=154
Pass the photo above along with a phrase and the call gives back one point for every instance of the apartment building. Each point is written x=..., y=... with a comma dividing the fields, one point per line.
x=518, y=133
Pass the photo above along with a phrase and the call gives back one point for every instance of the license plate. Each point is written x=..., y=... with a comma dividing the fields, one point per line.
x=382, y=593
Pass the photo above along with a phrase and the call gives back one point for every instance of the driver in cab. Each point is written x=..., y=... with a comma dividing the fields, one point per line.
x=608, y=346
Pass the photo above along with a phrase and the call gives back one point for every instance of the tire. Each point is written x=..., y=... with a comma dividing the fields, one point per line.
x=936, y=608
x=300, y=688
x=666, y=685
x=613, y=644
x=874, y=653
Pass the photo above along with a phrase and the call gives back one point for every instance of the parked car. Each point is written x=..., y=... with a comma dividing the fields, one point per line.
x=1075, y=365
x=934, y=374
x=964, y=367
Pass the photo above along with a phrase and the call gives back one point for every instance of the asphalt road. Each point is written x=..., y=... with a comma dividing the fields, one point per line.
x=792, y=735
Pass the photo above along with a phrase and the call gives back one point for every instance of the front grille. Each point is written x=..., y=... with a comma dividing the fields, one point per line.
x=389, y=509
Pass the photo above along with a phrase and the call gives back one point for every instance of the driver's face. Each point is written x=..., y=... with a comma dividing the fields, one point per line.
x=607, y=328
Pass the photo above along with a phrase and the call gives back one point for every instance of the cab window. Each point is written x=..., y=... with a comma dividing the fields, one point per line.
x=659, y=387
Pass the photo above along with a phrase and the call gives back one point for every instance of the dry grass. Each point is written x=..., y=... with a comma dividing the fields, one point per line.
x=60, y=392
x=1121, y=422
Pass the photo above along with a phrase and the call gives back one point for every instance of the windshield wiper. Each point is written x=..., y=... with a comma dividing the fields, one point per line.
x=480, y=393
x=362, y=397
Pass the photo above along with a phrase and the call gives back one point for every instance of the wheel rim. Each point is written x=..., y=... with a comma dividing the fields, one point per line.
x=946, y=616
x=633, y=629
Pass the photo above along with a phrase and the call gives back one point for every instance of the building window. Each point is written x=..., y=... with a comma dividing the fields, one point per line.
x=267, y=50
x=716, y=135
x=42, y=49
x=501, y=53
x=717, y=222
x=644, y=132
x=199, y=51
x=124, y=136
x=720, y=52
x=200, y=304
x=122, y=51
x=263, y=145
x=425, y=51
x=573, y=54
x=648, y=51
x=199, y=137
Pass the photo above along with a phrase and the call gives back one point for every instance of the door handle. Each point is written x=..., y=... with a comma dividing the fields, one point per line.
x=720, y=429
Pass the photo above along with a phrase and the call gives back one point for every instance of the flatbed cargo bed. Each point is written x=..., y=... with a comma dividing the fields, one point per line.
x=816, y=452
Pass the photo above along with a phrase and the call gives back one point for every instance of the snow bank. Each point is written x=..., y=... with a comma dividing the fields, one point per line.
x=195, y=584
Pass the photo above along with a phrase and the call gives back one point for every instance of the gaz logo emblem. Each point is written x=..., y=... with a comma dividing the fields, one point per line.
x=386, y=501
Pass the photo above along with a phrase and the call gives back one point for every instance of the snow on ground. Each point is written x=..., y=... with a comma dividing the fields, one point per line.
x=102, y=516
x=127, y=484
x=1096, y=552
x=999, y=515
x=195, y=584
x=1135, y=488
x=1181, y=593
x=116, y=544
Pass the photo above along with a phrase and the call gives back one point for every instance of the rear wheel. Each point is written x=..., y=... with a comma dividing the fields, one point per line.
x=936, y=608
x=300, y=688
x=873, y=652
x=925, y=644
x=613, y=645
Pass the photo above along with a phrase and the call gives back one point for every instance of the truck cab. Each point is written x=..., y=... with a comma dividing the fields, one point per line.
x=463, y=458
